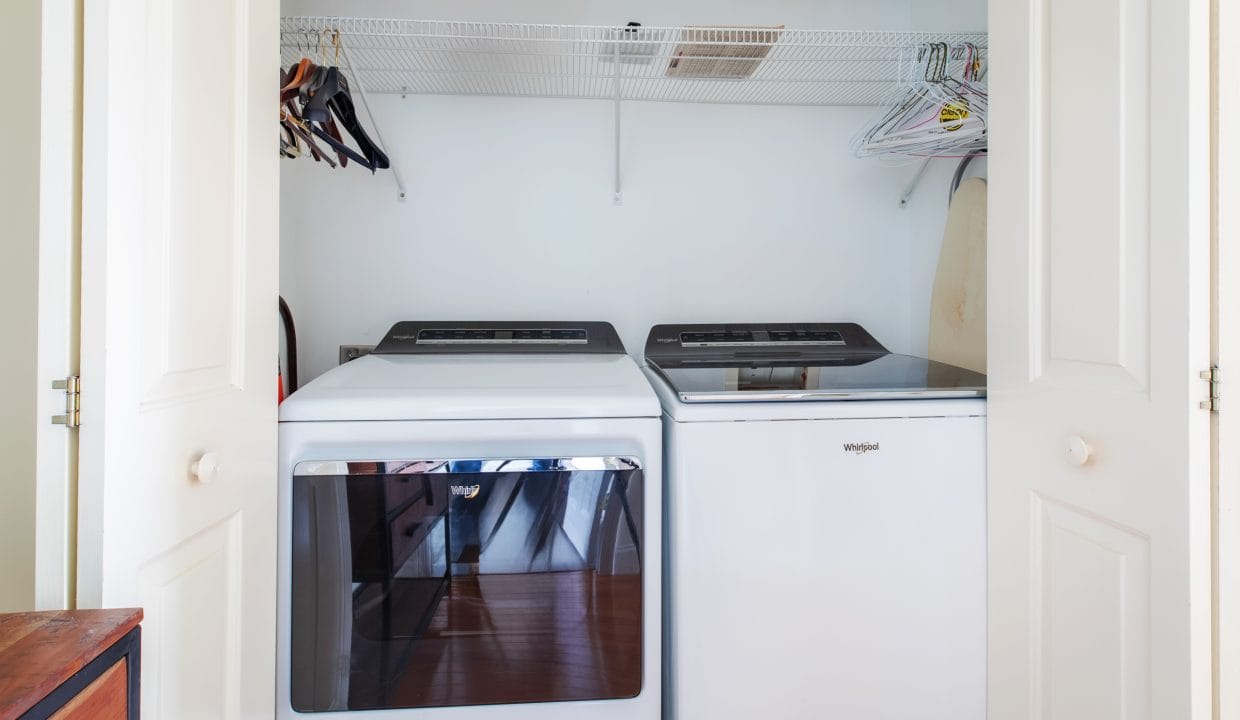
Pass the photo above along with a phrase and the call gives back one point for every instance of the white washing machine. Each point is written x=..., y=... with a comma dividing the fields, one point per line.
x=826, y=526
x=470, y=528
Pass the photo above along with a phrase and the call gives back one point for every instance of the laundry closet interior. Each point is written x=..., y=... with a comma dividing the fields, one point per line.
x=725, y=178
x=729, y=212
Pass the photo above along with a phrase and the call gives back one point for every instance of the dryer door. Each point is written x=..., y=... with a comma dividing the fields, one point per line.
x=435, y=583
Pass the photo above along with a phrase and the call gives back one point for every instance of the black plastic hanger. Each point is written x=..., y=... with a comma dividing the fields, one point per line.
x=329, y=94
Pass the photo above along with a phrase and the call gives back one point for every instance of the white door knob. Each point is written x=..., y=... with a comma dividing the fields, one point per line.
x=1078, y=450
x=205, y=468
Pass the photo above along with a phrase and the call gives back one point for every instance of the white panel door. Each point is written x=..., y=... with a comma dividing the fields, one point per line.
x=1099, y=477
x=179, y=344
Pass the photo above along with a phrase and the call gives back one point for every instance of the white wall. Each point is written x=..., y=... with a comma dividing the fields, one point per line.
x=729, y=213
x=19, y=246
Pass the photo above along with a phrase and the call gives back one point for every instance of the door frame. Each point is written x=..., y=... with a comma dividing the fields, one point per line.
x=1226, y=320
x=59, y=300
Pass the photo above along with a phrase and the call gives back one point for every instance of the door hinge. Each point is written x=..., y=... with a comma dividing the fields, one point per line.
x=1211, y=376
x=72, y=387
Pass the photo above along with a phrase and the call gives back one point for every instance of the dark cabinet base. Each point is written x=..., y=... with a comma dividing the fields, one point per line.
x=71, y=665
x=125, y=653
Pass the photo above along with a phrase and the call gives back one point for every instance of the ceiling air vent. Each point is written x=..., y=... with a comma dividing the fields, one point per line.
x=722, y=52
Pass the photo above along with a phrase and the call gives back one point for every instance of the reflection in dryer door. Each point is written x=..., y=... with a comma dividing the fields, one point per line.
x=435, y=584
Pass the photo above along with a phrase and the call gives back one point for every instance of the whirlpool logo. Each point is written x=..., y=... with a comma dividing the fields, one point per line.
x=861, y=448
x=468, y=492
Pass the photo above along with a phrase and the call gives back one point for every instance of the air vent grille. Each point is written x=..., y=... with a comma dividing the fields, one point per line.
x=722, y=53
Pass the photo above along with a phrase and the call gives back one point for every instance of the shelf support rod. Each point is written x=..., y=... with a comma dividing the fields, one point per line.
x=912, y=186
x=374, y=124
x=616, y=68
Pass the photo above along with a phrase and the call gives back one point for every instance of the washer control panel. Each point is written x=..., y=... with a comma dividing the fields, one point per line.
x=746, y=343
x=761, y=338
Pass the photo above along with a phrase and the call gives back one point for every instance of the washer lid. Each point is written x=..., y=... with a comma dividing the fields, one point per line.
x=877, y=377
x=475, y=387
x=796, y=362
x=906, y=406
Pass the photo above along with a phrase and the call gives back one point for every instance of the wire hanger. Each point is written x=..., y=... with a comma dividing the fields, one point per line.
x=939, y=115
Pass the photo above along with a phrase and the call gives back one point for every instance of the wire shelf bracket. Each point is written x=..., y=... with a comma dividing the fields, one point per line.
x=912, y=185
x=617, y=198
x=401, y=194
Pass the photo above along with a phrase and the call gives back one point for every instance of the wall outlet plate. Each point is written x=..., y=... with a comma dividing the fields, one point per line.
x=353, y=352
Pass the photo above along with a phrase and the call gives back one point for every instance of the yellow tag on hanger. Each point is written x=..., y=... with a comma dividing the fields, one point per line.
x=952, y=115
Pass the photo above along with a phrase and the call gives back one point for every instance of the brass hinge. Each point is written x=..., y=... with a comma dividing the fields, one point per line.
x=1211, y=376
x=72, y=386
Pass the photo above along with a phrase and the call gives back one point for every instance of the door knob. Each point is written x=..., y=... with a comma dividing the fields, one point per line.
x=1079, y=451
x=205, y=468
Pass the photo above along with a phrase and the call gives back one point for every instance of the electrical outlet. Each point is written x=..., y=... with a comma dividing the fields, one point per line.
x=353, y=352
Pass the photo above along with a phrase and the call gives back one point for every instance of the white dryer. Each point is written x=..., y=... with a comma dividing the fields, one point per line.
x=825, y=529
x=469, y=528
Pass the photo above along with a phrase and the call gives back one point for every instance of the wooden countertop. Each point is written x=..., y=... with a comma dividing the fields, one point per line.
x=40, y=650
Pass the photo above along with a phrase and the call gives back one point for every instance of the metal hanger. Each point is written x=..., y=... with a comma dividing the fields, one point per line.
x=940, y=115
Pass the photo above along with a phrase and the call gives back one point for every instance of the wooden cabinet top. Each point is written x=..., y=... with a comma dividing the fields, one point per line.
x=40, y=650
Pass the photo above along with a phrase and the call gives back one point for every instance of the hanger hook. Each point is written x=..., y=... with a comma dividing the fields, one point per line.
x=928, y=52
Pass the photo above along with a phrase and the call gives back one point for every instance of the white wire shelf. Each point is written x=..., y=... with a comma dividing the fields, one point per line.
x=750, y=66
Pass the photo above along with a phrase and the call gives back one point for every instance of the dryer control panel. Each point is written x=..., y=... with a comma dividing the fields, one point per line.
x=507, y=337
